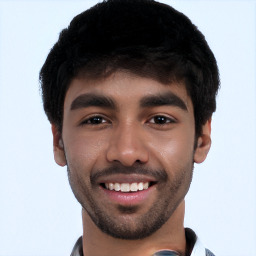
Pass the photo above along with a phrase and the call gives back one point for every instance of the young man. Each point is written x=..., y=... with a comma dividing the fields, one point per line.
x=129, y=89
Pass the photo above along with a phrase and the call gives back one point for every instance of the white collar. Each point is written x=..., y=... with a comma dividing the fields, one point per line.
x=199, y=249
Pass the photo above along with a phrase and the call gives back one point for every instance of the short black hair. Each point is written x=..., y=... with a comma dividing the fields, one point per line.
x=144, y=37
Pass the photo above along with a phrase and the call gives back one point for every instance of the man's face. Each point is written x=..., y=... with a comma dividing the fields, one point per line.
x=128, y=143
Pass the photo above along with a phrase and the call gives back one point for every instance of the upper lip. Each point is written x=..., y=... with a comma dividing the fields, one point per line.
x=126, y=178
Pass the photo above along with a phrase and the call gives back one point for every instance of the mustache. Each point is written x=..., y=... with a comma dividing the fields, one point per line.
x=160, y=175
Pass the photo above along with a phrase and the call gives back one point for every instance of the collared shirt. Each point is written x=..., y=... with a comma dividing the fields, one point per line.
x=198, y=248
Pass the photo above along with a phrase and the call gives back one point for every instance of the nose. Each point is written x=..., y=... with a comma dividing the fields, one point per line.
x=127, y=146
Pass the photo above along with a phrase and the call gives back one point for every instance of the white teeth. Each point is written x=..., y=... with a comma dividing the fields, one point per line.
x=140, y=186
x=110, y=186
x=134, y=187
x=117, y=186
x=126, y=187
x=145, y=185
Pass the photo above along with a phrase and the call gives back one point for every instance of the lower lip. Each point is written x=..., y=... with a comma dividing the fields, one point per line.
x=126, y=198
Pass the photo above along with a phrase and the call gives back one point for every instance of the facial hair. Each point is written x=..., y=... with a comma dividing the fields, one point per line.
x=132, y=227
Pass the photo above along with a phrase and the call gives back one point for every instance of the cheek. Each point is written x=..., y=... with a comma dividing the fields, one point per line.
x=175, y=148
x=83, y=151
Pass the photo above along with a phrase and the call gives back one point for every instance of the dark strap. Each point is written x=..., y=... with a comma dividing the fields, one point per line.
x=208, y=253
x=166, y=253
x=78, y=248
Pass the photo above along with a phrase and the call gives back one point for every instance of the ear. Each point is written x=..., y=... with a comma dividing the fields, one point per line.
x=203, y=143
x=58, y=147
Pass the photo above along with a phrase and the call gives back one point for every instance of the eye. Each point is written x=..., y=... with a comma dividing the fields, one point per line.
x=94, y=120
x=161, y=120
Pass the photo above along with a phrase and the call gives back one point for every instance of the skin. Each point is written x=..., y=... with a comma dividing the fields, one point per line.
x=130, y=136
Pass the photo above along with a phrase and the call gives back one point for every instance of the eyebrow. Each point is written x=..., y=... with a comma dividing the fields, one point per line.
x=92, y=100
x=95, y=100
x=169, y=99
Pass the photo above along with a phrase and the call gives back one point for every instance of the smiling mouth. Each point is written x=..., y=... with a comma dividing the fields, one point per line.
x=127, y=187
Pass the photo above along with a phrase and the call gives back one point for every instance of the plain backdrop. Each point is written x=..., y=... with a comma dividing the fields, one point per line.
x=38, y=212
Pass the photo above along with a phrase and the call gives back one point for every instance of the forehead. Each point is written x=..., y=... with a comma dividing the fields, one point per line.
x=124, y=87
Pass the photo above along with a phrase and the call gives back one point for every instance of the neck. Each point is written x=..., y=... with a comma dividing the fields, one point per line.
x=170, y=236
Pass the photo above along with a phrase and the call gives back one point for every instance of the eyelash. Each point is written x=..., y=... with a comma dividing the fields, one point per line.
x=166, y=120
x=97, y=120
x=89, y=121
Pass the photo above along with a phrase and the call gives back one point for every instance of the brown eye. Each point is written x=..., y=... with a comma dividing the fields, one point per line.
x=95, y=120
x=161, y=120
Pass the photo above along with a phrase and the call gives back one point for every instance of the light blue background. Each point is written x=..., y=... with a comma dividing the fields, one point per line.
x=38, y=213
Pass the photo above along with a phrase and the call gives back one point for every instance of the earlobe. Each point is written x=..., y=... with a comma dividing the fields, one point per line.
x=58, y=147
x=203, y=143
